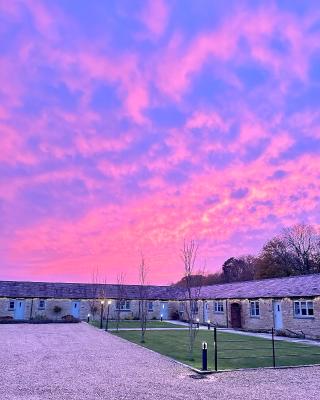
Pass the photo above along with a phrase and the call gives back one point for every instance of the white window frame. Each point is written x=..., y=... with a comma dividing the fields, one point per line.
x=123, y=305
x=150, y=306
x=44, y=304
x=300, y=306
x=255, y=309
x=194, y=306
x=218, y=307
x=14, y=305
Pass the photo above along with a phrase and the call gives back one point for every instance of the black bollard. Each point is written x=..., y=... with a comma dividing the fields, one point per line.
x=209, y=324
x=88, y=319
x=204, y=356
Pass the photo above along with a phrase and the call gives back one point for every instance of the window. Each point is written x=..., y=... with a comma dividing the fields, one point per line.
x=123, y=305
x=11, y=305
x=150, y=306
x=181, y=307
x=42, y=304
x=218, y=306
x=254, y=309
x=303, y=309
x=194, y=307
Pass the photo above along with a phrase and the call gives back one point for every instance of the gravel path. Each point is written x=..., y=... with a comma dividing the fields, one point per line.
x=75, y=362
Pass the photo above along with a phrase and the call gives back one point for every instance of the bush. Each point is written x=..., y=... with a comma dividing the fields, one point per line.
x=57, y=309
x=69, y=318
x=6, y=318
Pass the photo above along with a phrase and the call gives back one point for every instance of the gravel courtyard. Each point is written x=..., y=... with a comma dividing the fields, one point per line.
x=77, y=361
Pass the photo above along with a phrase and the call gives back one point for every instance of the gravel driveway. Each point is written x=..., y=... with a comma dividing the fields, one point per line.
x=75, y=362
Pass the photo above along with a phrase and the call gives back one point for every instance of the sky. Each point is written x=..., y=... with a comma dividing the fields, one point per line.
x=129, y=126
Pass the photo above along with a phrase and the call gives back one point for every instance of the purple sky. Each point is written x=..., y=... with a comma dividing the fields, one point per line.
x=127, y=126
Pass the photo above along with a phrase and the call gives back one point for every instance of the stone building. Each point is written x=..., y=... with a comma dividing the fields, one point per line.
x=291, y=305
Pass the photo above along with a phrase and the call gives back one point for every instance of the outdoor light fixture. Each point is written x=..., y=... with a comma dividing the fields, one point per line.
x=204, y=356
x=108, y=309
x=88, y=319
x=209, y=324
x=161, y=317
x=101, y=315
x=198, y=323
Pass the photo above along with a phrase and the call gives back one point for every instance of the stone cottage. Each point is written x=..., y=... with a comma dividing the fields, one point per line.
x=291, y=305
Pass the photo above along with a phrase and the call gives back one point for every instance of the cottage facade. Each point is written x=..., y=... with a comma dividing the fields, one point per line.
x=290, y=305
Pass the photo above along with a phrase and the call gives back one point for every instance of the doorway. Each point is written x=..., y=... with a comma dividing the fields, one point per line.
x=236, y=315
x=164, y=310
x=205, y=311
x=75, y=309
x=19, y=309
x=277, y=315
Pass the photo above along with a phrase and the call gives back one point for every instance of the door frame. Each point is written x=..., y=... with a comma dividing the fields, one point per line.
x=19, y=311
x=78, y=308
x=236, y=308
x=205, y=311
x=277, y=304
x=164, y=306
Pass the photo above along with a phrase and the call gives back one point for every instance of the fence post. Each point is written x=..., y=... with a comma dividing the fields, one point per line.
x=215, y=349
x=273, y=349
x=204, y=356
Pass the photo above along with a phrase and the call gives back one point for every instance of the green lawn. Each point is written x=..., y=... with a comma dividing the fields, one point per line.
x=136, y=324
x=234, y=350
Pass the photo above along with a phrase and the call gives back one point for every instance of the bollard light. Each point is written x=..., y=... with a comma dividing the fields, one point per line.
x=161, y=317
x=209, y=326
x=198, y=323
x=88, y=318
x=204, y=356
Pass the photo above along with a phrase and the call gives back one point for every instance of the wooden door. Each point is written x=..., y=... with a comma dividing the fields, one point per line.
x=236, y=315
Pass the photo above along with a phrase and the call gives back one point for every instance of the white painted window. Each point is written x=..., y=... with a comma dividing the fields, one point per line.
x=123, y=305
x=218, y=306
x=150, y=306
x=11, y=305
x=303, y=309
x=254, y=309
x=194, y=306
x=42, y=304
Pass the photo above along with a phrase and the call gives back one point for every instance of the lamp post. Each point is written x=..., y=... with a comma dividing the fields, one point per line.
x=198, y=323
x=209, y=326
x=101, y=315
x=161, y=317
x=88, y=318
x=108, y=309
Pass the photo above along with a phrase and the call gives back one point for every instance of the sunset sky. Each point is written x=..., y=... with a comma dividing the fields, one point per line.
x=128, y=125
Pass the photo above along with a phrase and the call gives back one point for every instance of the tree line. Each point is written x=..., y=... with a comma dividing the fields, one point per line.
x=295, y=251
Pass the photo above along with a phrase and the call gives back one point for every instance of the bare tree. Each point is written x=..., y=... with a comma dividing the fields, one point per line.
x=143, y=297
x=303, y=241
x=94, y=304
x=189, y=253
x=121, y=296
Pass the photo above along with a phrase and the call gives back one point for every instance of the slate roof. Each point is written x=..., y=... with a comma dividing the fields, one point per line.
x=79, y=290
x=294, y=286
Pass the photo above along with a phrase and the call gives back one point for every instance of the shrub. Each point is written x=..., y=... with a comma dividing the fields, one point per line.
x=57, y=309
x=69, y=318
x=6, y=318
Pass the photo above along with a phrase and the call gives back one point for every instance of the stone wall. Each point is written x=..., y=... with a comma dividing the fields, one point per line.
x=32, y=310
